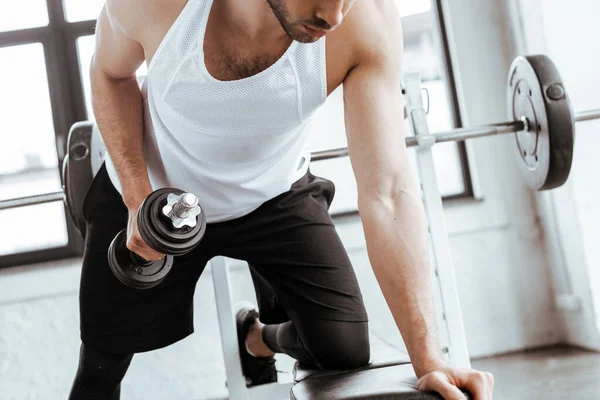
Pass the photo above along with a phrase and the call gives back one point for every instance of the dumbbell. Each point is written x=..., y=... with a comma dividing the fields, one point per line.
x=171, y=222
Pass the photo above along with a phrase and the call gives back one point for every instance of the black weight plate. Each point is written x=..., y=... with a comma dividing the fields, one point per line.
x=545, y=150
x=77, y=171
x=129, y=271
x=76, y=217
x=157, y=230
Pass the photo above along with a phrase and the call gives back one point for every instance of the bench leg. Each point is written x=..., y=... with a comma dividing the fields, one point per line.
x=236, y=383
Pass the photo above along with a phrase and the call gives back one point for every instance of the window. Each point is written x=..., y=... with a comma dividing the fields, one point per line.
x=83, y=10
x=28, y=162
x=422, y=54
x=22, y=14
x=39, y=102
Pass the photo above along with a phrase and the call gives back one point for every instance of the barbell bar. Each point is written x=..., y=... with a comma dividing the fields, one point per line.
x=459, y=134
x=453, y=135
x=537, y=100
x=32, y=200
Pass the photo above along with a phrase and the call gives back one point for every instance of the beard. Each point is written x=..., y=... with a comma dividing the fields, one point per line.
x=285, y=19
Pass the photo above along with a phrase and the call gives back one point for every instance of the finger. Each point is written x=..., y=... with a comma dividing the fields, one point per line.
x=146, y=258
x=440, y=385
x=150, y=255
x=137, y=245
x=488, y=380
x=144, y=254
x=474, y=382
x=450, y=392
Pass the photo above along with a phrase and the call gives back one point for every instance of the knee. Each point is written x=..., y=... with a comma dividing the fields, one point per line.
x=346, y=348
x=349, y=358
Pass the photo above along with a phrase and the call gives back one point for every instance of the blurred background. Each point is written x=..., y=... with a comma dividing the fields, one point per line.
x=526, y=263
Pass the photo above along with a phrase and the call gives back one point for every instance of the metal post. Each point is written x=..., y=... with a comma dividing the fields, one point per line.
x=443, y=268
x=236, y=383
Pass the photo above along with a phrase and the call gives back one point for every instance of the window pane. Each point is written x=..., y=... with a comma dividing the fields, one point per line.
x=27, y=140
x=33, y=228
x=22, y=14
x=411, y=7
x=85, y=46
x=28, y=159
x=83, y=10
x=446, y=156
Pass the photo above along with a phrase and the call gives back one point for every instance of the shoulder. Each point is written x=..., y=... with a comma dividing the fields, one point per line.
x=137, y=18
x=372, y=33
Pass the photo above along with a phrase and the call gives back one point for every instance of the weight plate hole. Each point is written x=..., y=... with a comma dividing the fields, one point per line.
x=539, y=128
x=536, y=158
x=530, y=93
x=79, y=152
x=519, y=90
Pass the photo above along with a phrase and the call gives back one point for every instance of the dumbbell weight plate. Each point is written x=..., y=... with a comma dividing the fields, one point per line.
x=545, y=150
x=130, y=271
x=159, y=232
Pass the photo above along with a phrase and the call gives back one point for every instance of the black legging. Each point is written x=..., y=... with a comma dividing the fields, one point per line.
x=322, y=343
x=99, y=375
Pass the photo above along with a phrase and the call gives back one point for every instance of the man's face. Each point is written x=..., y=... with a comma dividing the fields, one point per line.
x=307, y=20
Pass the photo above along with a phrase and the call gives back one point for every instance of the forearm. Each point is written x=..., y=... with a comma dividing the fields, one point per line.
x=118, y=109
x=398, y=250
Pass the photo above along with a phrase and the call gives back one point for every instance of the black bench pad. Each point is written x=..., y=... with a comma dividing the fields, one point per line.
x=389, y=383
x=382, y=355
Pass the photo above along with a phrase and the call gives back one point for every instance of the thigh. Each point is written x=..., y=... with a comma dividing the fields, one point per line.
x=311, y=274
x=291, y=243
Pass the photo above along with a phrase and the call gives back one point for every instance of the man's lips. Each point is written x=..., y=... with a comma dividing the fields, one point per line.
x=314, y=33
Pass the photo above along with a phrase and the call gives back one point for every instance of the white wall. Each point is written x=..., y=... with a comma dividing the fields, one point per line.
x=568, y=33
x=498, y=246
x=499, y=249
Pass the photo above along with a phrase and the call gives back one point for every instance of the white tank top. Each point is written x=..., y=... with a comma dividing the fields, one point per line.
x=235, y=144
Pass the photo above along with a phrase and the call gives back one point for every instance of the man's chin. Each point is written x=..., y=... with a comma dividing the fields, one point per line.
x=307, y=40
x=304, y=37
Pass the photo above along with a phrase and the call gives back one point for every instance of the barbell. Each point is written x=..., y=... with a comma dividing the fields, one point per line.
x=542, y=121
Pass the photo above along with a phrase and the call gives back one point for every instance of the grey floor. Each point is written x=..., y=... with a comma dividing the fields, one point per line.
x=550, y=373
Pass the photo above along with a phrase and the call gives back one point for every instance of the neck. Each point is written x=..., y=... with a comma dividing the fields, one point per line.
x=252, y=19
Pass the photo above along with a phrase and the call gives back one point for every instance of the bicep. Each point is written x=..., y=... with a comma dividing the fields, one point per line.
x=117, y=54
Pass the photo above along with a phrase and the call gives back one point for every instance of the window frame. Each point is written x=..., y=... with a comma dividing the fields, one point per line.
x=448, y=71
x=58, y=39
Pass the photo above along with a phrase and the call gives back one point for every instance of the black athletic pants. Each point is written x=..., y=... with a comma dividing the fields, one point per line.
x=290, y=242
x=325, y=344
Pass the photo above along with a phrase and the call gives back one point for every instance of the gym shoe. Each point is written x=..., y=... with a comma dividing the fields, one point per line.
x=257, y=370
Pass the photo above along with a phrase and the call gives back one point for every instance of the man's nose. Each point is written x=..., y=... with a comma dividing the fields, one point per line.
x=331, y=12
